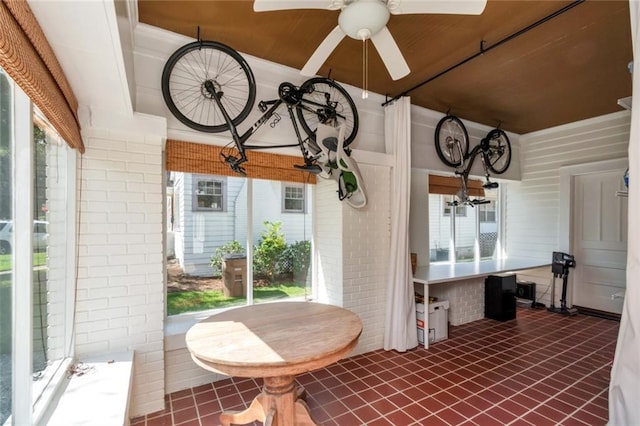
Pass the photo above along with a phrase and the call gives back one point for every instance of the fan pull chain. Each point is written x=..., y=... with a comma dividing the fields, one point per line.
x=365, y=68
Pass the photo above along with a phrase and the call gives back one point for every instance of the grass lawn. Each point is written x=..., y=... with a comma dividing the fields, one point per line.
x=6, y=260
x=191, y=301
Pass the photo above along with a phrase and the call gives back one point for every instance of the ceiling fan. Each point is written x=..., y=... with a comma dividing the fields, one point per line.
x=367, y=19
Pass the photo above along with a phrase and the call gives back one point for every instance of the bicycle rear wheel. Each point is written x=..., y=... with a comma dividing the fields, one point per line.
x=325, y=101
x=498, y=157
x=451, y=133
x=195, y=64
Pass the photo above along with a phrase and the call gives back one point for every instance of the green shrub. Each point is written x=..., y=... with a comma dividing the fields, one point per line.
x=232, y=247
x=296, y=259
x=268, y=252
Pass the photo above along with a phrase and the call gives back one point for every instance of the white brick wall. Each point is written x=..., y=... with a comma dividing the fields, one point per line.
x=366, y=241
x=353, y=252
x=183, y=373
x=466, y=299
x=328, y=234
x=120, y=298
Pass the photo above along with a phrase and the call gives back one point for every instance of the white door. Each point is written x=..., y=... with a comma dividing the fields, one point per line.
x=599, y=241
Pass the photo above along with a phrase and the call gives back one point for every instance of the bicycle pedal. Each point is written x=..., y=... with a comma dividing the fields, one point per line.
x=311, y=168
x=491, y=185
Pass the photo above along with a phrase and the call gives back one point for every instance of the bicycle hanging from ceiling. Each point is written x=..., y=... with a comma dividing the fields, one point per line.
x=209, y=87
x=452, y=146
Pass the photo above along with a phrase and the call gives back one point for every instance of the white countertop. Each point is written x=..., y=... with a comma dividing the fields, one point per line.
x=439, y=273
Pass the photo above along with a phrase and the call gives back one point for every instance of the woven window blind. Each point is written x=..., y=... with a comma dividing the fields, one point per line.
x=450, y=185
x=192, y=157
x=28, y=59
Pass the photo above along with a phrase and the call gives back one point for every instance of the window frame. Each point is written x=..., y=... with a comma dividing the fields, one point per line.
x=177, y=325
x=300, y=186
x=27, y=407
x=222, y=180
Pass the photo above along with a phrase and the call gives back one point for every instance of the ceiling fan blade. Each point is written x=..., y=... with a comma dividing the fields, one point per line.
x=390, y=54
x=267, y=5
x=322, y=52
x=466, y=7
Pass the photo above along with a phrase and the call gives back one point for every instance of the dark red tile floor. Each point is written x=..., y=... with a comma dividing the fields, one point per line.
x=539, y=369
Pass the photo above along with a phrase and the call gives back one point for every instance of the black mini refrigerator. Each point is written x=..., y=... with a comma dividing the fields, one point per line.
x=500, y=297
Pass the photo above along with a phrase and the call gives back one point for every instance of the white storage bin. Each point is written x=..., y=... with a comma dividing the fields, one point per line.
x=438, y=321
x=420, y=322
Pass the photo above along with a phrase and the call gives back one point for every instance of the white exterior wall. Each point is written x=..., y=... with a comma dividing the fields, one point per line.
x=267, y=205
x=533, y=205
x=201, y=232
x=121, y=279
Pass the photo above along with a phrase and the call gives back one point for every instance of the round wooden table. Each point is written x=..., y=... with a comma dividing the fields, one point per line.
x=274, y=341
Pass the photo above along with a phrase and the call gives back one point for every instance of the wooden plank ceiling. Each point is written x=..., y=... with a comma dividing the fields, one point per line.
x=569, y=68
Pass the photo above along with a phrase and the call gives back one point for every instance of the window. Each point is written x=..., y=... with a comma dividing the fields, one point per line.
x=460, y=210
x=292, y=198
x=36, y=274
x=208, y=193
x=252, y=252
x=470, y=235
x=487, y=212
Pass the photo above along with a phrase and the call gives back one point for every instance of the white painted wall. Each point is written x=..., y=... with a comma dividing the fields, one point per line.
x=121, y=278
x=366, y=239
x=533, y=205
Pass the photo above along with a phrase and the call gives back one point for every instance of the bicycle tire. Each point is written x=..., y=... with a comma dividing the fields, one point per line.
x=185, y=74
x=323, y=92
x=499, y=156
x=448, y=130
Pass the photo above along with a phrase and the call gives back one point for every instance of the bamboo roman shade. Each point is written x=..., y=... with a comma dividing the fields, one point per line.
x=28, y=59
x=192, y=157
x=450, y=185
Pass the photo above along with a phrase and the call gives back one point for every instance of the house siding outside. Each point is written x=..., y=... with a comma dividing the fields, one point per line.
x=199, y=233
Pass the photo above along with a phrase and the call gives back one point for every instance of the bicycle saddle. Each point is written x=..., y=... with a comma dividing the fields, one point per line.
x=331, y=143
x=490, y=185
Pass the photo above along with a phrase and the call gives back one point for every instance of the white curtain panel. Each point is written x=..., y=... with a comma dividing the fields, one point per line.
x=400, y=316
x=624, y=390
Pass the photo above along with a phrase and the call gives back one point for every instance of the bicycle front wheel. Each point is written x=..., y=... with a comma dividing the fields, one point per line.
x=325, y=101
x=452, y=141
x=498, y=156
x=196, y=69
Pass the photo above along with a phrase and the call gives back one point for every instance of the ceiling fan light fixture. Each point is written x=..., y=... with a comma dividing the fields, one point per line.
x=363, y=18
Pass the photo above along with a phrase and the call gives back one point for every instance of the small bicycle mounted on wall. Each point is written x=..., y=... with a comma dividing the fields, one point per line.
x=209, y=87
x=452, y=146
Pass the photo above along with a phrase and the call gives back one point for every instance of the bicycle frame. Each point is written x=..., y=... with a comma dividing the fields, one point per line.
x=482, y=148
x=268, y=108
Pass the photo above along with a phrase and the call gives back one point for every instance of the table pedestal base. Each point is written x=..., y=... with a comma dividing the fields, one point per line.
x=279, y=404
